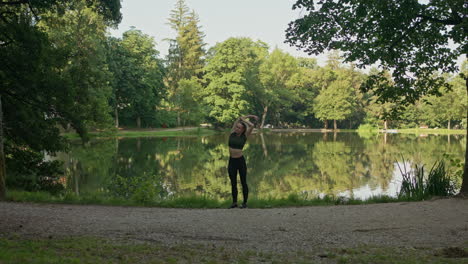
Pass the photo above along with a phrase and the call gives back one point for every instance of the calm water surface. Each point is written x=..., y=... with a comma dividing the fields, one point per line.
x=309, y=164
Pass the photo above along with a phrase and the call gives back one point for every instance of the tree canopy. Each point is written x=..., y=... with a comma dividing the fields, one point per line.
x=47, y=81
x=409, y=37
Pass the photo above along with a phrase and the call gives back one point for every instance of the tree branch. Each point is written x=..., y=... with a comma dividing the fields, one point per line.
x=15, y=2
x=405, y=34
x=452, y=22
x=2, y=15
x=32, y=11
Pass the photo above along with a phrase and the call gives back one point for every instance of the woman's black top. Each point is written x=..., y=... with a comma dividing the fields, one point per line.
x=237, y=142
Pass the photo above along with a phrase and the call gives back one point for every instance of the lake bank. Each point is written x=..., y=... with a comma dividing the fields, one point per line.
x=150, y=132
x=203, y=131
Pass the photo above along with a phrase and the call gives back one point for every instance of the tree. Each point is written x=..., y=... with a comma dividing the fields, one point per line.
x=442, y=110
x=303, y=86
x=35, y=91
x=375, y=109
x=231, y=77
x=79, y=35
x=409, y=37
x=186, y=53
x=138, y=77
x=336, y=102
x=275, y=73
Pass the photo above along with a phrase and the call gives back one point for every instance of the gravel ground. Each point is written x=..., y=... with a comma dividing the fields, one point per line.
x=436, y=223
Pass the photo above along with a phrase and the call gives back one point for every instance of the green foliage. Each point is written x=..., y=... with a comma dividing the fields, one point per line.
x=185, y=64
x=406, y=36
x=138, y=79
x=28, y=171
x=447, y=109
x=86, y=101
x=275, y=73
x=367, y=130
x=337, y=97
x=231, y=77
x=416, y=185
x=190, y=111
x=51, y=51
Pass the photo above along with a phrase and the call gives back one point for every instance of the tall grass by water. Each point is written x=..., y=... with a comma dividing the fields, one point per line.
x=192, y=201
x=417, y=185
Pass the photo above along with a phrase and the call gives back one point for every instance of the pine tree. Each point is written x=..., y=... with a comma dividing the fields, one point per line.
x=186, y=53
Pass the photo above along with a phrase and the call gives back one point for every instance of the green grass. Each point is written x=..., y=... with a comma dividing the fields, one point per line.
x=15, y=249
x=292, y=200
x=158, y=133
x=433, y=131
x=209, y=132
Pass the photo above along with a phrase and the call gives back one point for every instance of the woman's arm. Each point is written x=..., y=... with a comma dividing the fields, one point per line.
x=235, y=124
x=250, y=124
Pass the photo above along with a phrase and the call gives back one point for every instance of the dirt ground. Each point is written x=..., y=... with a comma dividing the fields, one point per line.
x=436, y=223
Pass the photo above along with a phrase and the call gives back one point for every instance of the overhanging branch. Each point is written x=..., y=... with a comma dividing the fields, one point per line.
x=14, y=2
x=452, y=22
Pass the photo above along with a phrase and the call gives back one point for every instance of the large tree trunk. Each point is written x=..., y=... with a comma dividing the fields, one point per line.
x=265, y=110
x=448, y=125
x=385, y=123
x=326, y=124
x=464, y=188
x=265, y=150
x=335, y=127
x=116, y=113
x=138, y=122
x=2, y=158
x=178, y=118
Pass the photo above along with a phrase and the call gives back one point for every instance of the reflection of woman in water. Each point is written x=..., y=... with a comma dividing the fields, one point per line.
x=241, y=129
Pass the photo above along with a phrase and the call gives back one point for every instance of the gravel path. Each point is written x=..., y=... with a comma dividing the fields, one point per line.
x=437, y=223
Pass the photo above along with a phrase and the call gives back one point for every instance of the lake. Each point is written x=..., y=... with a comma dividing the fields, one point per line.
x=279, y=164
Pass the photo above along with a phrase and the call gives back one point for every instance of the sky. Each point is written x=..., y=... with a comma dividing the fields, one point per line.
x=264, y=20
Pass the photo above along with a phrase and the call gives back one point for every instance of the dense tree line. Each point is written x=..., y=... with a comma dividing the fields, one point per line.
x=61, y=70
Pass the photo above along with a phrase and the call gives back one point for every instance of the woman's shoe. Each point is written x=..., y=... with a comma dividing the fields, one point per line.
x=234, y=205
x=244, y=205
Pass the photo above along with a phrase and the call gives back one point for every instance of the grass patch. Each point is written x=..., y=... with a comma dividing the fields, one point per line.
x=394, y=255
x=155, y=133
x=293, y=200
x=433, y=131
x=99, y=250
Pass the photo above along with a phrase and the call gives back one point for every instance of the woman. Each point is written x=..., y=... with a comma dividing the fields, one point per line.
x=241, y=129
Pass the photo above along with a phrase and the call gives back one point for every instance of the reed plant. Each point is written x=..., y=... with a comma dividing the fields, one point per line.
x=416, y=185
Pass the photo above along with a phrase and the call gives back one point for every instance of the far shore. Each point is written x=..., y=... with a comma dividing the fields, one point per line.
x=205, y=131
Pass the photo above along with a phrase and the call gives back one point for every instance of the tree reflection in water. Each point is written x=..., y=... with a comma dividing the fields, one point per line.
x=279, y=164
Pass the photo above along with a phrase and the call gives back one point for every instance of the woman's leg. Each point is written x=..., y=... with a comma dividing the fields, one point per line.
x=243, y=177
x=232, y=170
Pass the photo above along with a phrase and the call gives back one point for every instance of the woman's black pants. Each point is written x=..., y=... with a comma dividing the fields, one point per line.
x=238, y=164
